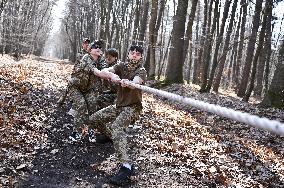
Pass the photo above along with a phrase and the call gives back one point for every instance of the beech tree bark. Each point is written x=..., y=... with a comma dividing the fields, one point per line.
x=175, y=65
x=250, y=50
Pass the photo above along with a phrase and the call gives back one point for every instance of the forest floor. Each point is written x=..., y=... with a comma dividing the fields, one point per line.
x=173, y=145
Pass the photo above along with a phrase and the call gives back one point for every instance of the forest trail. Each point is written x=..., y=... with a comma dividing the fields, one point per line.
x=173, y=145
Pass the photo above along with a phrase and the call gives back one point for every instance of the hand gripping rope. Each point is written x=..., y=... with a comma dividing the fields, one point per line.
x=263, y=123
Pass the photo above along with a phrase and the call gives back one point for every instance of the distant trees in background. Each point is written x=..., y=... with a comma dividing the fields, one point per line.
x=216, y=44
x=25, y=25
x=2, y=5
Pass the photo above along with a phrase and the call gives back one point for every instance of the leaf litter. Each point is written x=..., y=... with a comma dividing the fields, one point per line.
x=172, y=144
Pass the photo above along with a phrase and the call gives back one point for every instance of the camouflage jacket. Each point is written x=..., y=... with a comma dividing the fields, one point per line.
x=83, y=78
x=80, y=54
x=128, y=70
x=110, y=87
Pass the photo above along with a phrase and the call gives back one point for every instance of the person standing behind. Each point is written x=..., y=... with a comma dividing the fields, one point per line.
x=108, y=95
x=85, y=50
x=85, y=87
x=126, y=110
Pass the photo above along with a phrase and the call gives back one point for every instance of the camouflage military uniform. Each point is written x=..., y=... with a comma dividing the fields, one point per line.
x=85, y=87
x=81, y=54
x=69, y=85
x=113, y=120
x=108, y=96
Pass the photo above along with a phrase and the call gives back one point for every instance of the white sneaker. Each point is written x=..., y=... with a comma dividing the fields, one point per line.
x=72, y=112
x=75, y=137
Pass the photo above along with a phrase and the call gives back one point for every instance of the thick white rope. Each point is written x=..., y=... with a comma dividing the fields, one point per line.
x=263, y=123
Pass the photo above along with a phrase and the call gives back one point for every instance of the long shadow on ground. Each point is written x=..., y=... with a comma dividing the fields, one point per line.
x=59, y=163
x=62, y=164
x=230, y=135
x=34, y=147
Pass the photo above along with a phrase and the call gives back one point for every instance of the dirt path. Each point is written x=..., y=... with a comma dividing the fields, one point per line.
x=172, y=145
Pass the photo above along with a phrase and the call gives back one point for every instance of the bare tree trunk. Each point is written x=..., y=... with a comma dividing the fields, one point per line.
x=241, y=45
x=275, y=96
x=207, y=54
x=164, y=47
x=103, y=21
x=175, y=64
x=150, y=62
x=196, y=78
x=203, y=66
x=111, y=41
x=2, y=6
x=265, y=57
x=225, y=48
x=143, y=22
x=188, y=34
x=268, y=5
x=235, y=51
x=40, y=26
x=250, y=50
x=158, y=25
x=230, y=68
x=218, y=43
x=195, y=65
x=154, y=26
x=122, y=29
x=128, y=30
x=107, y=27
x=136, y=22
x=164, y=58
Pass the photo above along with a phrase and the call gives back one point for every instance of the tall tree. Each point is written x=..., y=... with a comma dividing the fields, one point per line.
x=2, y=6
x=143, y=21
x=218, y=43
x=206, y=48
x=154, y=25
x=236, y=70
x=231, y=72
x=71, y=29
x=150, y=61
x=136, y=22
x=268, y=7
x=165, y=42
x=197, y=64
x=275, y=96
x=26, y=26
x=103, y=14
x=188, y=34
x=40, y=26
x=265, y=56
x=107, y=27
x=194, y=60
x=225, y=48
x=207, y=54
x=250, y=49
x=175, y=65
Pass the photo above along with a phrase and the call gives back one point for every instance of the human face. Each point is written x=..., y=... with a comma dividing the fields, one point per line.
x=96, y=51
x=134, y=55
x=110, y=59
x=85, y=46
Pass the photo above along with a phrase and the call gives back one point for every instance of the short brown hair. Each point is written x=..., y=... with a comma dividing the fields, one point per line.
x=137, y=48
x=112, y=51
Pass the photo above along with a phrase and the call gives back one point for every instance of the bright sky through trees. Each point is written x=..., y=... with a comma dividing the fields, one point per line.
x=58, y=14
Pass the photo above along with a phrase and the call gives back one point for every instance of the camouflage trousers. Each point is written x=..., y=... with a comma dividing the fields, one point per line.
x=86, y=103
x=113, y=122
